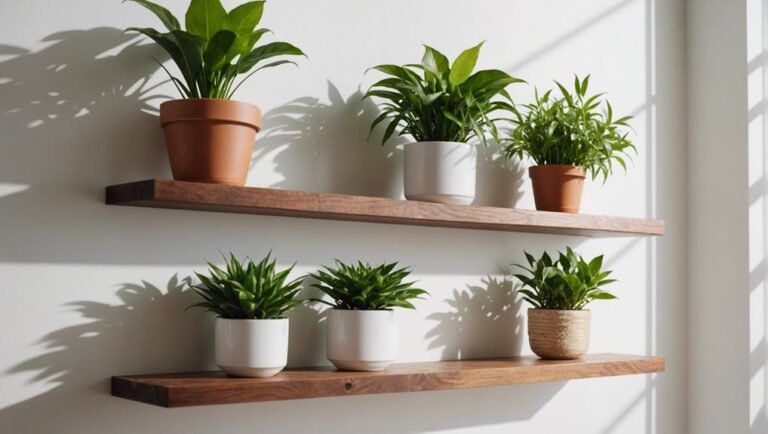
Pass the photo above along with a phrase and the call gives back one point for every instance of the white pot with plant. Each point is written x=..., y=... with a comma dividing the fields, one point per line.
x=209, y=136
x=446, y=110
x=566, y=137
x=362, y=328
x=559, y=290
x=250, y=301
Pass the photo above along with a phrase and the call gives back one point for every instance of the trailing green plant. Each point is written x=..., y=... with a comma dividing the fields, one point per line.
x=248, y=290
x=433, y=101
x=568, y=283
x=570, y=130
x=366, y=287
x=216, y=47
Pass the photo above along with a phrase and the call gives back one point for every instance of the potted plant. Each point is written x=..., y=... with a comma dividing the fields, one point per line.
x=442, y=108
x=566, y=137
x=250, y=301
x=559, y=290
x=362, y=332
x=209, y=136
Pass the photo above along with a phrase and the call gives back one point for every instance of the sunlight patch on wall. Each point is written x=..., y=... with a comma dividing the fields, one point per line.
x=7, y=188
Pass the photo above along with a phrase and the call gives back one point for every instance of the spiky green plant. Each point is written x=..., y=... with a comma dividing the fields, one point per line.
x=568, y=283
x=362, y=286
x=438, y=101
x=247, y=290
x=216, y=47
x=570, y=130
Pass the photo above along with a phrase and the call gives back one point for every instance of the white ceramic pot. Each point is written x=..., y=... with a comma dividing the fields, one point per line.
x=252, y=347
x=362, y=340
x=443, y=172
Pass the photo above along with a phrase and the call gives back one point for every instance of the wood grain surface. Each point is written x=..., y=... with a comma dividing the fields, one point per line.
x=267, y=201
x=207, y=388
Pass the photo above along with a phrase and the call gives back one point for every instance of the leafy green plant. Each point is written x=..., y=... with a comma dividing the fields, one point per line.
x=568, y=283
x=247, y=290
x=366, y=287
x=570, y=130
x=433, y=101
x=216, y=47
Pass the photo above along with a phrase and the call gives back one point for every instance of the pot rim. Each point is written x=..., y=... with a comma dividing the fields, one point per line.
x=563, y=169
x=201, y=100
x=210, y=109
x=538, y=309
x=281, y=319
x=428, y=142
x=361, y=310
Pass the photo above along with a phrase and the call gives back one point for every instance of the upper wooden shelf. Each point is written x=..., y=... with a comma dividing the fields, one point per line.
x=267, y=201
x=208, y=388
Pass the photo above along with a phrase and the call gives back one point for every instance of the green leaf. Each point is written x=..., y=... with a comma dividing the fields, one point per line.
x=265, y=52
x=244, y=44
x=244, y=18
x=434, y=61
x=205, y=18
x=166, y=17
x=464, y=65
x=219, y=45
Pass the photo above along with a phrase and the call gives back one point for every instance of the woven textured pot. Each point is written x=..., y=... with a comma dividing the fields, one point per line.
x=559, y=334
x=557, y=188
x=210, y=140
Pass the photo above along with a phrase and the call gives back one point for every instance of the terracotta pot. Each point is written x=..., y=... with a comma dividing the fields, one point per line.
x=559, y=334
x=557, y=188
x=210, y=140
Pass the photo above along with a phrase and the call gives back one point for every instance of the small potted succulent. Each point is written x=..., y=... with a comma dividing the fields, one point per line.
x=362, y=331
x=250, y=301
x=443, y=107
x=566, y=137
x=559, y=290
x=209, y=136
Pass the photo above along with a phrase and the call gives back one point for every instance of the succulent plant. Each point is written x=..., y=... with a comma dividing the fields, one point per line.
x=248, y=290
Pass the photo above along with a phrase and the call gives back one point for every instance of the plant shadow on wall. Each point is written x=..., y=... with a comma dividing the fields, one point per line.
x=79, y=109
x=325, y=146
x=154, y=332
x=321, y=146
x=491, y=311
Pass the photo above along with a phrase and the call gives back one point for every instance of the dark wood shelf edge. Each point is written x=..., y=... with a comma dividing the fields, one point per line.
x=209, y=388
x=301, y=204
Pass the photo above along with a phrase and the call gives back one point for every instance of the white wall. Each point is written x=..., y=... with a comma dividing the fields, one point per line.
x=719, y=196
x=91, y=291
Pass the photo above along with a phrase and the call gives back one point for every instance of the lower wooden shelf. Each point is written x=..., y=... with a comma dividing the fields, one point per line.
x=208, y=388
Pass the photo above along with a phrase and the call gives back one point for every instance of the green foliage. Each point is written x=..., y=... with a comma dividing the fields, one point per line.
x=433, y=101
x=568, y=283
x=216, y=46
x=365, y=287
x=570, y=130
x=248, y=290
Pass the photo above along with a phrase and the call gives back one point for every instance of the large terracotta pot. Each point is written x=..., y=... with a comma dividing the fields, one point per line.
x=210, y=140
x=559, y=334
x=557, y=188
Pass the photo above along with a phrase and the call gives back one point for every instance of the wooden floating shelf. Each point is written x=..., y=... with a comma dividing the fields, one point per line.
x=267, y=201
x=208, y=388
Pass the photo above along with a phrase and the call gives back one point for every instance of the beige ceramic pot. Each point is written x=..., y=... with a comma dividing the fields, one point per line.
x=559, y=334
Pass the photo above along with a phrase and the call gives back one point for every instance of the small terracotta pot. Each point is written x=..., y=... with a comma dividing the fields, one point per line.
x=559, y=334
x=557, y=188
x=210, y=140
